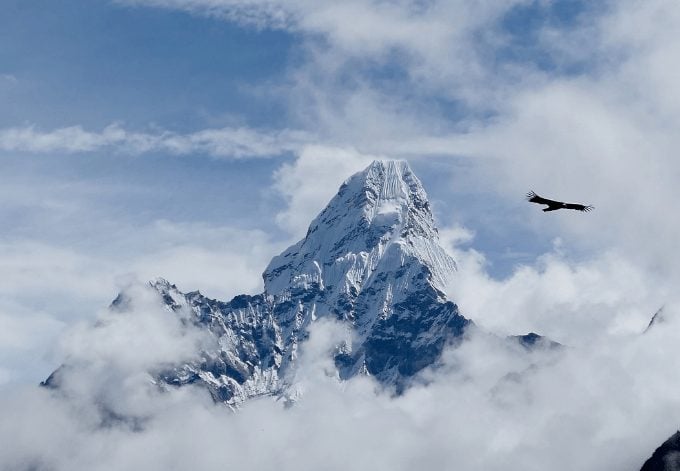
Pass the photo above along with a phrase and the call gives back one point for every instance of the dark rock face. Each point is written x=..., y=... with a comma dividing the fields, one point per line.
x=412, y=338
x=666, y=457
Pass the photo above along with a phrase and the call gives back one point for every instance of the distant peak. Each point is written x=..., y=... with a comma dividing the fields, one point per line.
x=160, y=283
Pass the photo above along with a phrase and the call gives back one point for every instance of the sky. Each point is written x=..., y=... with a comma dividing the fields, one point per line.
x=196, y=139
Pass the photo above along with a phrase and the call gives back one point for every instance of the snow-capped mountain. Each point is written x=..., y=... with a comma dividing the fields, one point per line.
x=371, y=259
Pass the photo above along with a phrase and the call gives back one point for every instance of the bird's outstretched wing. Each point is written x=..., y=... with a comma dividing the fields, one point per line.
x=534, y=198
x=554, y=205
x=579, y=207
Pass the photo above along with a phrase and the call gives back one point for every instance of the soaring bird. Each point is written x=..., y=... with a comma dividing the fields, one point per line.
x=555, y=205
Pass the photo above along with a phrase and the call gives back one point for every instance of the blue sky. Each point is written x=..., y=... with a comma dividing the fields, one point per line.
x=195, y=139
x=96, y=62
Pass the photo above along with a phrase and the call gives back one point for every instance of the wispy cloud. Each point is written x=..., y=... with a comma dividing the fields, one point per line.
x=236, y=143
x=259, y=13
x=8, y=78
x=453, y=48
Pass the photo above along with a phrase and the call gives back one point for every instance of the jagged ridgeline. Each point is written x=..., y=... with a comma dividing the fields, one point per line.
x=371, y=260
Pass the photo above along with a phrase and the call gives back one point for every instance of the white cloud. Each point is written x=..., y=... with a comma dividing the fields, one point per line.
x=49, y=285
x=573, y=302
x=260, y=13
x=9, y=78
x=451, y=50
x=133, y=341
x=573, y=409
x=23, y=349
x=571, y=143
x=221, y=261
x=233, y=143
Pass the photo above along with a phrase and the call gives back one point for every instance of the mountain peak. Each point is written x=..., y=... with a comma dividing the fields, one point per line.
x=393, y=178
x=391, y=187
x=379, y=218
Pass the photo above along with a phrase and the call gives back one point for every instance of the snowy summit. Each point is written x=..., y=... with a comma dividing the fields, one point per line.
x=371, y=259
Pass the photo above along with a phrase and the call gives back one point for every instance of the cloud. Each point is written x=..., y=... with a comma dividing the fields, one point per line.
x=22, y=342
x=364, y=28
x=573, y=302
x=235, y=143
x=259, y=13
x=223, y=261
x=9, y=78
x=490, y=406
x=143, y=336
x=51, y=284
x=605, y=154
x=363, y=59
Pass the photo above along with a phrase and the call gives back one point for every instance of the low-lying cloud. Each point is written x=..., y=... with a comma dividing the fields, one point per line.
x=489, y=405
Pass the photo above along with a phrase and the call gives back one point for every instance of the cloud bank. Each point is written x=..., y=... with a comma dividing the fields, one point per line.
x=490, y=405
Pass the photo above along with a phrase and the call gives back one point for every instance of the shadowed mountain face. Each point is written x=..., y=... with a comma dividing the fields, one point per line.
x=666, y=457
x=370, y=260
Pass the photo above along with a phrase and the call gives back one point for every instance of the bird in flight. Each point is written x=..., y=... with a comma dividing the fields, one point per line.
x=555, y=205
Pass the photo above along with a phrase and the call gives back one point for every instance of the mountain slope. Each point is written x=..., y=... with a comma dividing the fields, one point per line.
x=371, y=260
